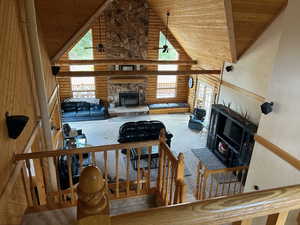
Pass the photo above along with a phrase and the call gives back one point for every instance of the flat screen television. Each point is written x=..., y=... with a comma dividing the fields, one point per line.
x=233, y=131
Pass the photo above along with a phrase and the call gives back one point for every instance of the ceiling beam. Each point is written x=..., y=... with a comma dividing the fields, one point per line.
x=134, y=73
x=82, y=30
x=124, y=62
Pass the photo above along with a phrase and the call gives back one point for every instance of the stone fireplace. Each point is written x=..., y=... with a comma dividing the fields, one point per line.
x=129, y=99
x=132, y=89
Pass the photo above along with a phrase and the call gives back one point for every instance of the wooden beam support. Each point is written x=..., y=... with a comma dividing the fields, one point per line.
x=78, y=34
x=124, y=62
x=134, y=73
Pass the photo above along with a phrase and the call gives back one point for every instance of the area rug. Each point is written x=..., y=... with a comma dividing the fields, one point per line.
x=208, y=158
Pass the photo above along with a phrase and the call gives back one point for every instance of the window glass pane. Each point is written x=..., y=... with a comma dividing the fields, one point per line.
x=166, y=93
x=167, y=67
x=83, y=87
x=82, y=68
x=79, y=51
x=172, y=54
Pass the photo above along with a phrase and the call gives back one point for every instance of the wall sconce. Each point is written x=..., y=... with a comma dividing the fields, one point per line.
x=55, y=70
x=267, y=107
x=229, y=68
x=15, y=125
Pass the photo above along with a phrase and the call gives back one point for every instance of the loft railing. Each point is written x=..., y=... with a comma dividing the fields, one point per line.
x=237, y=209
x=219, y=182
x=122, y=180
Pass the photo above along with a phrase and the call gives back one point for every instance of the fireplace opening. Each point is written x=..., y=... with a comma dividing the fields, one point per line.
x=128, y=99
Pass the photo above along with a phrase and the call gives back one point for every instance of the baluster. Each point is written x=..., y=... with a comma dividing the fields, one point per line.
x=244, y=171
x=55, y=161
x=229, y=182
x=277, y=218
x=197, y=194
x=71, y=178
x=160, y=169
x=217, y=181
x=224, y=183
x=149, y=168
x=117, y=174
x=244, y=222
x=26, y=187
x=138, y=171
x=94, y=158
x=32, y=191
x=171, y=199
x=128, y=172
x=44, y=179
x=164, y=175
x=211, y=185
x=235, y=183
x=205, y=175
x=106, y=169
x=167, y=181
x=80, y=162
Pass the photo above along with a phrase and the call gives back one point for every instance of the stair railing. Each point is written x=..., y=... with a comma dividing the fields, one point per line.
x=123, y=178
x=213, y=183
x=170, y=179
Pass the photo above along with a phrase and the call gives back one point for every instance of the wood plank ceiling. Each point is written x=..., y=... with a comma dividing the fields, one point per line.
x=210, y=31
x=251, y=18
x=60, y=20
x=200, y=27
x=216, y=31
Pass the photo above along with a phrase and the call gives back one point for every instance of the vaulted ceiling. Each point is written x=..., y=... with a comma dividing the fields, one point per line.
x=61, y=19
x=210, y=31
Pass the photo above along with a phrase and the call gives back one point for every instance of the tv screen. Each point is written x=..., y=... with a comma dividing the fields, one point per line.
x=233, y=131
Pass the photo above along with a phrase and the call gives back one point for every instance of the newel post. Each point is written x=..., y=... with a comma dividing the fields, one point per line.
x=162, y=139
x=93, y=202
x=180, y=185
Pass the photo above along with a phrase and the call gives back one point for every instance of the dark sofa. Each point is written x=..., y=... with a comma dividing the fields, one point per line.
x=73, y=109
x=142, y=131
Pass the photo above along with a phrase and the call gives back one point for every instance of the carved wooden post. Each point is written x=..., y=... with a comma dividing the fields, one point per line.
x=180, y=185
x=93, y=202
x=162, y=139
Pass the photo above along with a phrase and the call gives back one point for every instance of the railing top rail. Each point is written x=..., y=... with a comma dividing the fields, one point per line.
x=226, y=170
x=102, y=148
x=218, y=211
x=170, y=154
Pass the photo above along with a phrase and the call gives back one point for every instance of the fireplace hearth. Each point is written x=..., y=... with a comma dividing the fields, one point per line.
x=128, y=99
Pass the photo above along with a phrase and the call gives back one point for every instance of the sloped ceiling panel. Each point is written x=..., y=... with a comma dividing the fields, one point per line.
x=60, y=19
x=251, y=18
x=200, y=27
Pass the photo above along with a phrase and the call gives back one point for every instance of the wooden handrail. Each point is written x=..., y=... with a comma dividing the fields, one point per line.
x=224, y=170
x=278, y=151
x=134, y=73
x=102, y=148
x=218, y=211
x=124, y=62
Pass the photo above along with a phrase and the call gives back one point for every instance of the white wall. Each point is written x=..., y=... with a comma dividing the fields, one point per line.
x=252, y=72
x=282, y=126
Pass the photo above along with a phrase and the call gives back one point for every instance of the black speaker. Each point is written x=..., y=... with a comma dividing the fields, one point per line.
x=55, y=70
x=229, y=68
x=15, y=125
x=267, y=107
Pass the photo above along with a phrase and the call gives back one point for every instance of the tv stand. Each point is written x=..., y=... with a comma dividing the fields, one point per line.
x=230, y=136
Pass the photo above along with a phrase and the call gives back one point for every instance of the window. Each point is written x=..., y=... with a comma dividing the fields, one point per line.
x=166, y=85
x=83, y=87
x=205, y=98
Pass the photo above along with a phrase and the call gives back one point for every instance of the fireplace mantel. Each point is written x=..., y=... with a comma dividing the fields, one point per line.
x=133, y=80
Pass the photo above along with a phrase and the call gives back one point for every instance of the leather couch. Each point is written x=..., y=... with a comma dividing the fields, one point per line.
x=142, y=131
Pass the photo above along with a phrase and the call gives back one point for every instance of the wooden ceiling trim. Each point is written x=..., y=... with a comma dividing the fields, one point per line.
x=123, y=62
x=230, y=28
x=81, y=31
x=134, y=73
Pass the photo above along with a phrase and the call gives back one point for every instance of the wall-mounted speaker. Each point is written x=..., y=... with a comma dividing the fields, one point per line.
x=229, y=68
x=55, y=70
x=15, y=125
x=267, y=107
